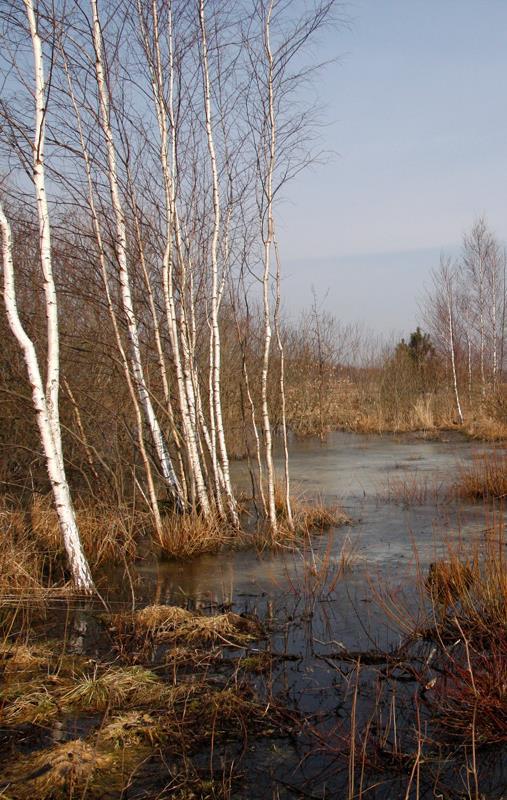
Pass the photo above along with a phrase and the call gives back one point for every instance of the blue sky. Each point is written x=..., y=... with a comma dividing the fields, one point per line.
x=417, y=118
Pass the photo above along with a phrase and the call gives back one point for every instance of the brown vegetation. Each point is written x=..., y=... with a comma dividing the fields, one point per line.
x=171, y=624
x=133, y=715
x=484, y=479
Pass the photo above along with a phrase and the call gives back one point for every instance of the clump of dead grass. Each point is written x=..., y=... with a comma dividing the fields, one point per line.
x=61, y=772
x=29, y=704
x=175, y=625
x=469, y=701
x=487, y=429
x=116, y=686
x=484, y=479
x=131, y=729
x=309, y=516
x=18, y=657
x=186, y=536
x=466, y=622
x=450, y=581
x=22, y=564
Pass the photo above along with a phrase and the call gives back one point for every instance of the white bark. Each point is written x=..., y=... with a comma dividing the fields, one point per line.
x=177, y=332
x=38, y=148
x=164, y=458
x=448, y=287
x=266, y=280
x=288, y=505
x=50, y=435
x=153, y=502
x=215, y=351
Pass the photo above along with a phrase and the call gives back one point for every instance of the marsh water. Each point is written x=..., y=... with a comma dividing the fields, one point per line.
x=388, y=541
x=326, y=607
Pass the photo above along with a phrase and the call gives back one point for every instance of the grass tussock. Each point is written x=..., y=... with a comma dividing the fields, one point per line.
x=484, y=479
x=32, y=557
x=174, y=625
x=115, y=687
x=487, y=429
x=466, y=622
x=36, y=699
x=61, y=772
x=189, y=535
x=470, y=701
x=36, y=676
x=22, y=563
x=29, y=704
x=309, y=515
x=133, y=729
x=450, y=581
x=19, y=657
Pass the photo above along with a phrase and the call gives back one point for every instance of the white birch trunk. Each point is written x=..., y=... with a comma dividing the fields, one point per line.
x=153, y=502
x=80, y=571
x=51, y=306
x=179, y=346
x=450, y=321
x=266, y=282
x=288, y=505
x=164, y=459
x=215, y=350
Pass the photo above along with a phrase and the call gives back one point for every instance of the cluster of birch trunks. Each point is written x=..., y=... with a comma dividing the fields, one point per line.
x=465, y=310
x=168, y=128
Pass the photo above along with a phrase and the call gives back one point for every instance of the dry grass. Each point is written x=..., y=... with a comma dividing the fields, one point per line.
x=423, y=417
x=450, y=581
x=190, y=535
x=32, y=697
x=107, y=533
x=484, y=479
x=469, y=698
x=469, y=702
x=309, y=516
x=317, y=516
x=487, y=429
x=466, y=621
x=62, y=772
x=30, y=704
x=411, y=490
x=22, y=563
x=132, y=729
x=116, y=686
x=174, y=625
x=19, y=657
x=32, y=557
x=35, y=677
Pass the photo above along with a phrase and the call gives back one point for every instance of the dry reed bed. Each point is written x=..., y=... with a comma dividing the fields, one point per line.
x=484, y=479
x=32, y=557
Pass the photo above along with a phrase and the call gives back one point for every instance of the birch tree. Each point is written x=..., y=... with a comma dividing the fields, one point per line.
x=441, y=316
x=183, y=132
x=45, y=398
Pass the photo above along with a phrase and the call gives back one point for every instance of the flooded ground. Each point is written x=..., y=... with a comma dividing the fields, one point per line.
x=387, y=541
x=334, y=653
